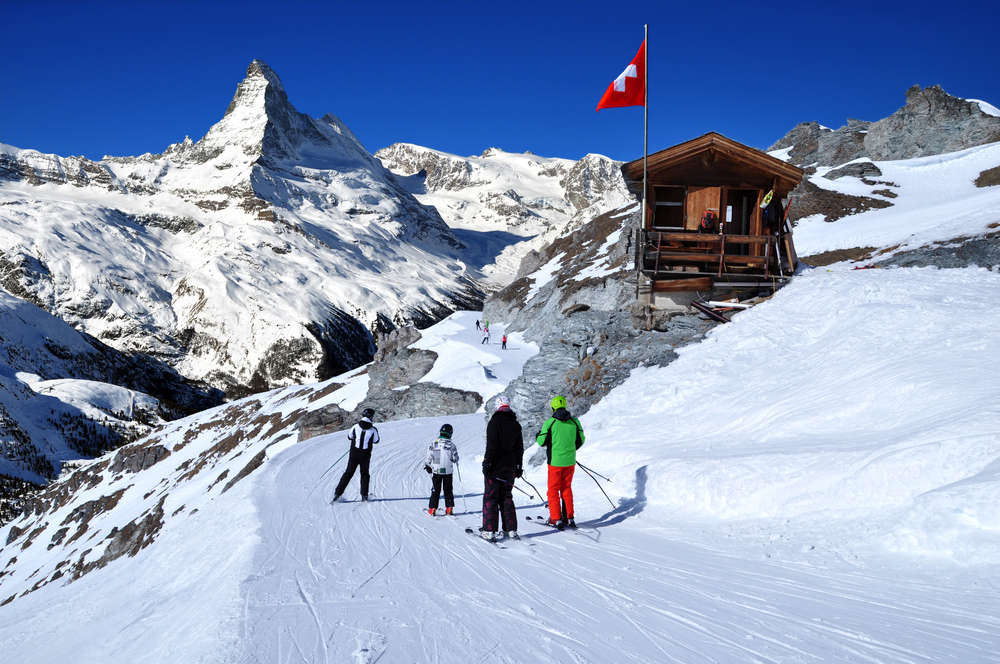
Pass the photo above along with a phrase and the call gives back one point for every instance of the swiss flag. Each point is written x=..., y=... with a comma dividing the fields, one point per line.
x=629, y=89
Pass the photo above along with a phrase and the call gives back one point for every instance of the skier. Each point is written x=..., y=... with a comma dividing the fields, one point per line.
x=438, y=462
x=501, y=465
x=477, y=324
x=561, y=435
x=363, y=435
x=503, y=343
x=486, y=336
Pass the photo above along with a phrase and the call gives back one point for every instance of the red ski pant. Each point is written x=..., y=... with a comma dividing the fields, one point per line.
x=560, y=487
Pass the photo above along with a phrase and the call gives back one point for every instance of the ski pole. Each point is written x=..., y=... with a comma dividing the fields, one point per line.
x=613, y=506
x=592, y=471
x=459, y=469
x=334, y=463
x=536, y=491
x=513, y=485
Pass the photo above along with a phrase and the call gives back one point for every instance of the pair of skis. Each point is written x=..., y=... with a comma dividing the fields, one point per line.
x=543, y=521
x=500, y=544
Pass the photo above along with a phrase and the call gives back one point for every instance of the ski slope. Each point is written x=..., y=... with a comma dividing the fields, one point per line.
x=817, y=481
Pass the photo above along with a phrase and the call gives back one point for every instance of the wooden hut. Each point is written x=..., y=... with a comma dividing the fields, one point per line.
x=744, y=242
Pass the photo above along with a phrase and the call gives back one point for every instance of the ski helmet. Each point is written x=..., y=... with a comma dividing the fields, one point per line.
x=368, y=412
x=503, y=402
x=558, y=402
x=446, y=431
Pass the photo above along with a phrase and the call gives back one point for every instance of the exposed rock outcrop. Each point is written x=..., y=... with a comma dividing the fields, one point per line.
x=932, y=122
x=395, y=389
x=591, y=333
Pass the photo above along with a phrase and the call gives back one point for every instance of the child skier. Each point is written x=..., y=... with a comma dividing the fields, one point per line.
x=440, y=456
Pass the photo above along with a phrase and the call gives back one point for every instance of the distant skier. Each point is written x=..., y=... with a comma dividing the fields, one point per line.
x=503, y=343
x=477, y=324
x=440, y=456
x=486, y=336
x=561, y=436
x=501, y=465
x=362, y=436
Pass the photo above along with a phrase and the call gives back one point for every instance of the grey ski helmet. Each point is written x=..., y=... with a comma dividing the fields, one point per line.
x=368, y=412
x=446, y=431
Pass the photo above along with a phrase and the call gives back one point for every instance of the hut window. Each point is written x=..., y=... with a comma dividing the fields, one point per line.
x=669, y=209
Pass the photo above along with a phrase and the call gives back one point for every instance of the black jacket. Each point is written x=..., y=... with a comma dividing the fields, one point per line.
x=504, y=442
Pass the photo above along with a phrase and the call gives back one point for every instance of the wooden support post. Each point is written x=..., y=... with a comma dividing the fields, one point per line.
x=767, y=258
x=722, y=252
x=656, y=264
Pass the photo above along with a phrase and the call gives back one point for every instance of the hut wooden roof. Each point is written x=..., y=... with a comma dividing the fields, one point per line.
x=714, y=160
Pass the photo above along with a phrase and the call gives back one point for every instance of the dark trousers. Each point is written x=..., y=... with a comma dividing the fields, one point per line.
x=498, y=503
x=449, y=497
x=357, y=458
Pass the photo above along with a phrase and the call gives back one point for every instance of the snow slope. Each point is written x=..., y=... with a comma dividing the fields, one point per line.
x=935, y=200
x=817, y=481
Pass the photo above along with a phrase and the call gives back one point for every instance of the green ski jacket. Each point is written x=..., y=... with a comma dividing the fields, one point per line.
x=561, y=435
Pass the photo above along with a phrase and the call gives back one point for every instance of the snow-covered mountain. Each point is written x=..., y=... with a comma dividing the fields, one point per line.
x=264, y=254
x=65, y=396
x=273, y=250
x=515, y=202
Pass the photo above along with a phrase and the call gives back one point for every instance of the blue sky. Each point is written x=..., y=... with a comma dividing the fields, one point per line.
x=96, y=78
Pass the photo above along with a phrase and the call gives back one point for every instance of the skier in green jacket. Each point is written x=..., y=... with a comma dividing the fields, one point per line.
x=561, y=435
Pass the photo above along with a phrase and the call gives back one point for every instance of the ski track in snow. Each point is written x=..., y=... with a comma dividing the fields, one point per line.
x=331, y=585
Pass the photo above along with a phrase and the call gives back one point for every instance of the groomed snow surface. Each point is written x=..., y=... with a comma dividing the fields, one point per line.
x=818, y=481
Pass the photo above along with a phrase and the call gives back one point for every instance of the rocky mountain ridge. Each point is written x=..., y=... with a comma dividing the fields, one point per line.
x=525, y=198
x=932, y=122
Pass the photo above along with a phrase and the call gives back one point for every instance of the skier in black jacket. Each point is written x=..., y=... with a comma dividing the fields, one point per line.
x=363, y=435
x=501, y=465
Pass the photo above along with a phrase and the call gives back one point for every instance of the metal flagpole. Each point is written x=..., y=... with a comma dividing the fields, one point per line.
x=645, y=107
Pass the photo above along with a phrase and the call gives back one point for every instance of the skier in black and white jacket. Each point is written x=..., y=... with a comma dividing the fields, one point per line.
x=363, y=436
x=441, y=455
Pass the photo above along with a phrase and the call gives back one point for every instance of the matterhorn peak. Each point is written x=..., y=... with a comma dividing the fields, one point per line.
x=261, y=88
x=261, y=123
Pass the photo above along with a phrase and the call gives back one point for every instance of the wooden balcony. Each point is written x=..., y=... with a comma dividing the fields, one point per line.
x=684, y=260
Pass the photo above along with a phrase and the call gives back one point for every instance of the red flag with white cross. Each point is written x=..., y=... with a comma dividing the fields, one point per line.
x=629, y=89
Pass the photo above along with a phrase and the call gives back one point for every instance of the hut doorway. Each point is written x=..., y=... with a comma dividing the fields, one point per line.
x=738, y=214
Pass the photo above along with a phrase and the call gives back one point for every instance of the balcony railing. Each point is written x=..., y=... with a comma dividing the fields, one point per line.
x=667, y=255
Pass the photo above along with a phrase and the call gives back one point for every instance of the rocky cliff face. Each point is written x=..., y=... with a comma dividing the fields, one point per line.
x=932, y=122
x=576, y=299
x=270, y=252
